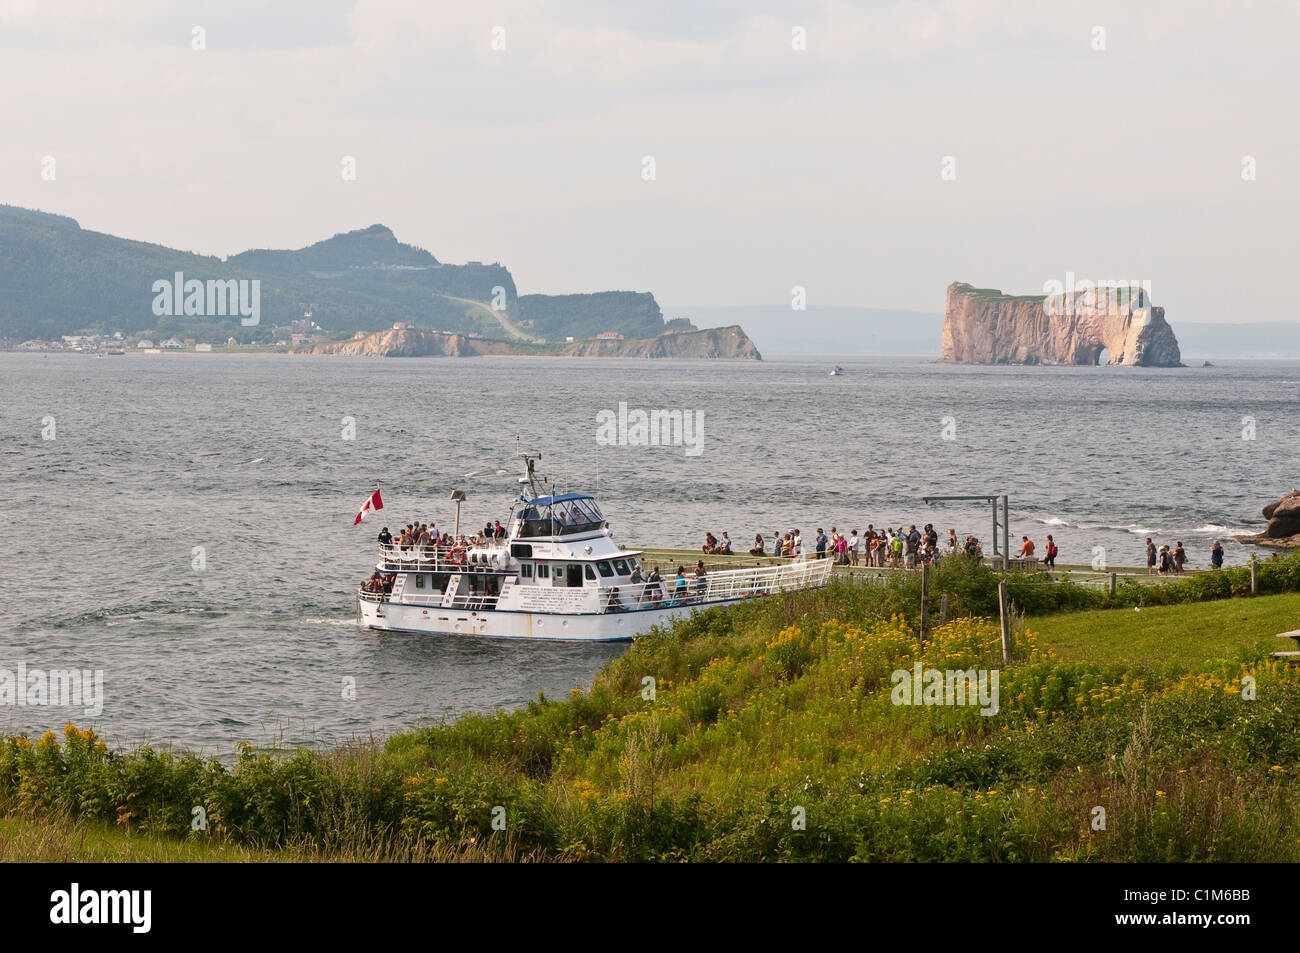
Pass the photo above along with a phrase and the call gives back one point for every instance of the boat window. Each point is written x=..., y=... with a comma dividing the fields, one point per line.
x=526, y=570
x=560, y=517
x=591, y=573
x=605, y=568
x=543, y=570
x=620, y=566
x=419, y=580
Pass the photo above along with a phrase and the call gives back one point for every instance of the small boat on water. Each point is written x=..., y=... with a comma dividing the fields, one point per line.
x=837, y=372
x=554, y=574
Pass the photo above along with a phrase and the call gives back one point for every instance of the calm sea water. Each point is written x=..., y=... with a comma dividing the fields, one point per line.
x=245, y=457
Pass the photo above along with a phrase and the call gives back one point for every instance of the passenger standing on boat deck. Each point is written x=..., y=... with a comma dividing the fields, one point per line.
x=655, y=585
x=679, y=585
x=796, y=544
x=854, y=543
x=501, y=530
x=701, y=579
x=821, y=543
x=638, y=580
x=385, y=537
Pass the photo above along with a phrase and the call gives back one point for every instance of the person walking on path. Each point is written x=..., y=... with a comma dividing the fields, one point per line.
x=1049, y=553
x=1180, y=558
x=1216, y=555
x=1151, y=557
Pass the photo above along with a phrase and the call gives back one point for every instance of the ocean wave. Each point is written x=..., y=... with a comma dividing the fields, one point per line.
x=1142, y=530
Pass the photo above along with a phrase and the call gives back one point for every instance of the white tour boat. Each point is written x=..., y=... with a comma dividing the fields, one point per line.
x=555, y=574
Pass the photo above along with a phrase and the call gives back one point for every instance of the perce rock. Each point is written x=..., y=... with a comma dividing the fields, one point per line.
x=984, y=326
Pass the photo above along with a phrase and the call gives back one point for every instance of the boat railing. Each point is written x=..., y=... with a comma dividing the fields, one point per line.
x=435, y=599
x=723, y=586
x=429, y=558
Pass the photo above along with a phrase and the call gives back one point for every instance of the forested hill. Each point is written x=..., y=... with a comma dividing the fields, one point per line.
x=57, y=278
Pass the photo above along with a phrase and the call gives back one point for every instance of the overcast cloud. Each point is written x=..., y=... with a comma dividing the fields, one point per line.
x=774, y=167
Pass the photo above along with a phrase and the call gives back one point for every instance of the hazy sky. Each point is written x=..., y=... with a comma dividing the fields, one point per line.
x=774, y=167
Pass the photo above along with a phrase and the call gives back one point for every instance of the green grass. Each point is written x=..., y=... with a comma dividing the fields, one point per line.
x=776, y=708
x=1188, y=634
x=61, y=840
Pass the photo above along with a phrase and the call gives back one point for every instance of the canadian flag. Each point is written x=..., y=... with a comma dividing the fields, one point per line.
x=373, y=502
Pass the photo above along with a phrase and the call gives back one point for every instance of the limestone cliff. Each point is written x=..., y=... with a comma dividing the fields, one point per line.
x=983, y=326
x=714, y=344
x=730, y=343
x=409, y=342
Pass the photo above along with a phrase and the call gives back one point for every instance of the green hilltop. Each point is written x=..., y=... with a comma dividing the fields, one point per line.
x=58, y=278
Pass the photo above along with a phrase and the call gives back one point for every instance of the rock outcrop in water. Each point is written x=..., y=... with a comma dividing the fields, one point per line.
x=728, y=344
x=1283, y=530
x=984, y=326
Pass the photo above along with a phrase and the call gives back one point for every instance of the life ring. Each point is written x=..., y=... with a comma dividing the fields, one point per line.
x=457, y=556
x=496, y=560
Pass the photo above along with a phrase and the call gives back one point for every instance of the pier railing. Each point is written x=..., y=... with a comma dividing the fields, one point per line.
x=722, y=586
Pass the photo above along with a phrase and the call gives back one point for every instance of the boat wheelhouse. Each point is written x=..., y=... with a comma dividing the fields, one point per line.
x=555, y=573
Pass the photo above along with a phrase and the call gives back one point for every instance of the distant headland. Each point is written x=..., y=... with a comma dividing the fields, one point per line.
x=65, y=282
x=724, y=344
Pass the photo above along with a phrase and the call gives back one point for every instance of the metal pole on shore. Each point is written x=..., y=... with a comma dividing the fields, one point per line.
x=925, y=599
x=1006, y=536
x=1006, y=621
x=993, y=554
x=1254, y=574
x=1112, y=583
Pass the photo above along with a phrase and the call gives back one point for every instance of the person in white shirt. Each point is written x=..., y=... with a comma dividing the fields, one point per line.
x=855, y=546
x=798, y=544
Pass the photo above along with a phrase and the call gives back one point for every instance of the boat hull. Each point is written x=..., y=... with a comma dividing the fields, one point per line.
x=503, y=624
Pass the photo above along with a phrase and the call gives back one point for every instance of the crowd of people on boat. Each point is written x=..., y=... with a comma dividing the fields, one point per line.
x=425, y=538
x=379, y=583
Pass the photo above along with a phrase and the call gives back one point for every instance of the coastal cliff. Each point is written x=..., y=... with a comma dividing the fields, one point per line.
x=714, y=344
x=726, y=344
x=984, y=326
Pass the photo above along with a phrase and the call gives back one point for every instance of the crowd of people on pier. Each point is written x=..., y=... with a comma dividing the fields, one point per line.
x=891, y=547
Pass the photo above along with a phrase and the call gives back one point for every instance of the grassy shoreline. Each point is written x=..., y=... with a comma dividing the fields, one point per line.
x=762, y=718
